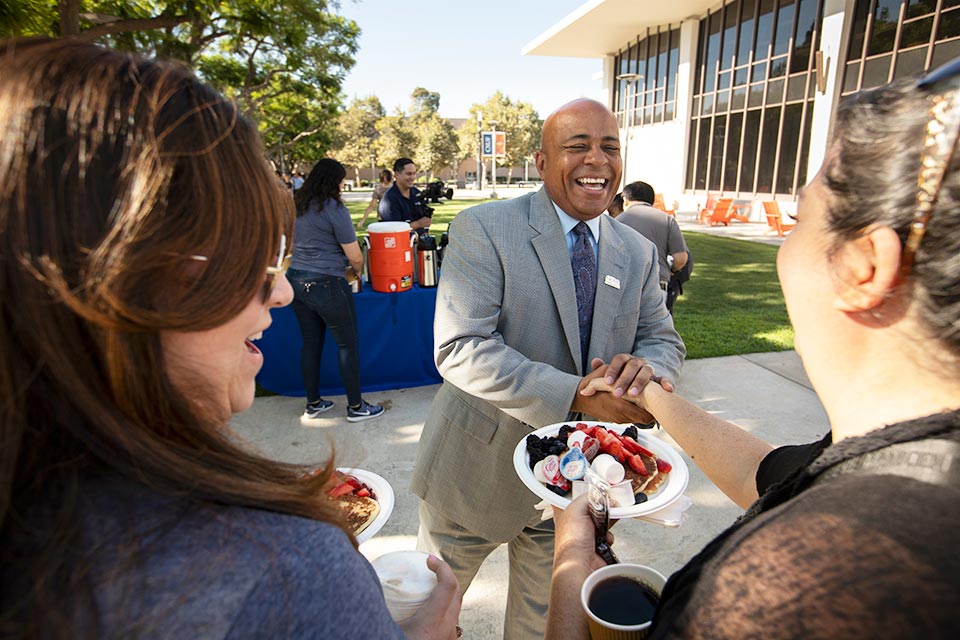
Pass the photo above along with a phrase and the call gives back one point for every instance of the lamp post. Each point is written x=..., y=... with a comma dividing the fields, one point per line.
x=493, y=156
x=479, y=149
x=283, y=169
x=629, y=78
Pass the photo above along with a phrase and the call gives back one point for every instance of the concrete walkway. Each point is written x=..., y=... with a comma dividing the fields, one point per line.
x=767, y=394
x=752, y=231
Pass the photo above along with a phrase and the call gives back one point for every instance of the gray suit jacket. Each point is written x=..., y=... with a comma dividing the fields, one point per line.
x=507, y=345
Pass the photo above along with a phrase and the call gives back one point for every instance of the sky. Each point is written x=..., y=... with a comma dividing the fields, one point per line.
x=465, y=51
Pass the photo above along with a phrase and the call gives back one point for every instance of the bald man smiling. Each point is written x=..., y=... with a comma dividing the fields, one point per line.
x=530, y=307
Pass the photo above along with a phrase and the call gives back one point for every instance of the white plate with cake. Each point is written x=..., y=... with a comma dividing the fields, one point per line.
x=367, y=507
x=661, y=477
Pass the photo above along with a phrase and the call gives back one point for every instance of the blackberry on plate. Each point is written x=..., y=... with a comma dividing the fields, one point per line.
x=557, y=447
x=631, y=431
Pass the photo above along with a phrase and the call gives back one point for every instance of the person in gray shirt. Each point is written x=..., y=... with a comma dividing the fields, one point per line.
x=657, y=227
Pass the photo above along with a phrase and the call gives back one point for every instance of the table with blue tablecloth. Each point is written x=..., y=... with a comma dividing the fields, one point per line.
x=396, y=346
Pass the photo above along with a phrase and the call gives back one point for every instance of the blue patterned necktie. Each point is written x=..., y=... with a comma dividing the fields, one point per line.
x=584, y=265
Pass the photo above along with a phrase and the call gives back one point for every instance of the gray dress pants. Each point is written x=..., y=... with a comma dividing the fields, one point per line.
x=531, y=565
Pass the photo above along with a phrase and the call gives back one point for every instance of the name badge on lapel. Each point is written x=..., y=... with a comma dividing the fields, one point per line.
x=610, y=281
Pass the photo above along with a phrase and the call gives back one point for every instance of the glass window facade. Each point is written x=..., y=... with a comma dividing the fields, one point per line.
x=653, y=97
x=752, y=103
x=893, y=39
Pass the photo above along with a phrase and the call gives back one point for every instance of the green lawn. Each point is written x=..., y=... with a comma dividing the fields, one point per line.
x=733, y=303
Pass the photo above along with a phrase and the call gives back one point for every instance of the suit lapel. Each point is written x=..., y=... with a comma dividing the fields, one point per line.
x=551, y=247
x=611, y=267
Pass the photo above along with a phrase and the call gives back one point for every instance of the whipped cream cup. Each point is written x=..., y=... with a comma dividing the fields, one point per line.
x=607, y=467
x=406, y=581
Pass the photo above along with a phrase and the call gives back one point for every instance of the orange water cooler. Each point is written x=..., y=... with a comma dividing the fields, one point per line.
x=390, y=254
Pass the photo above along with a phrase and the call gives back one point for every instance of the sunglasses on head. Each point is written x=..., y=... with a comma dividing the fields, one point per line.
x=939, y=147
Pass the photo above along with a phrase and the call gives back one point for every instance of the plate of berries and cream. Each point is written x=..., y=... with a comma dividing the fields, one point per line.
x=645, y=474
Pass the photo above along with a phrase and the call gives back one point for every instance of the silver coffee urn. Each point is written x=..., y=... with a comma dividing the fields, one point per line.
x=427, y=267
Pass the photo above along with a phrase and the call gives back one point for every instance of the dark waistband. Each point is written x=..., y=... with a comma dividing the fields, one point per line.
x=293, y=273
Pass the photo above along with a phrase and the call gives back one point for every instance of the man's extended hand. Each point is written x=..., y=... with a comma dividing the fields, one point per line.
x=626, y=374
x=605, y=406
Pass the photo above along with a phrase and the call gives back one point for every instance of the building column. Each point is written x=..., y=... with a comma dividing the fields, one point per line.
x=689, y=32
x=837, y=15
x=608, y=79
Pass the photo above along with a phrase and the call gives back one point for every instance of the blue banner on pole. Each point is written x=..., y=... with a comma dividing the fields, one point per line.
x=493, y=142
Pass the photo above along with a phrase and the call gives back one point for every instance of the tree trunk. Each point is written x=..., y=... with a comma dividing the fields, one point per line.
x=69, y=18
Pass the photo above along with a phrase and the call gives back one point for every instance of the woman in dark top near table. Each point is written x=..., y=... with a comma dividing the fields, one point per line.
x=139, y=234
x=325, y=249
x=854, y=536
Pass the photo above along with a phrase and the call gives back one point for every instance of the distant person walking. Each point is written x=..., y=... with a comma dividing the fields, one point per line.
x=325, y=246
x=386, y=181
x=657, y=227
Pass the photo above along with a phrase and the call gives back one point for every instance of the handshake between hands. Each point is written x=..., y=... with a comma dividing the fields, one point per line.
x=614, y=392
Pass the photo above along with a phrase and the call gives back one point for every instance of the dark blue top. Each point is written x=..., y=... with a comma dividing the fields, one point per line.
x=395, y=208
x=317, y=236
x=165, y=567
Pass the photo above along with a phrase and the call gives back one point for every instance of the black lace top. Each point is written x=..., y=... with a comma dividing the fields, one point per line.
x=830, y=552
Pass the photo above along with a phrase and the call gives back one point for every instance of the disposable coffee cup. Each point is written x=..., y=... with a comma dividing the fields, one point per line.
x=620, y=600
x=406, y=581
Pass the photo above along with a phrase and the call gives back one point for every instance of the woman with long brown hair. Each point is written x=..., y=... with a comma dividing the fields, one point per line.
x=140, y=230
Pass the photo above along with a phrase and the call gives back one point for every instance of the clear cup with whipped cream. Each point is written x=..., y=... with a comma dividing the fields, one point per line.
x=406, y=581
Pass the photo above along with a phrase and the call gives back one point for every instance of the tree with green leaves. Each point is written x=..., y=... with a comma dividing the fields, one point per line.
x=436, y=140
x=397, y=138
x=284, y=63
x=436, y=144
x=424, y=103
x=518, y=119
x=356, y=134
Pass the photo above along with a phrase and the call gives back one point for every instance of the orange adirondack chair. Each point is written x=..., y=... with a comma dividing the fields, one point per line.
x=708, y=207
x=723, y=212
x=658, y=203
x=775, y=219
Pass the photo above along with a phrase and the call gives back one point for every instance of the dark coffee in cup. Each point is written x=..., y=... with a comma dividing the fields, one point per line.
x=623, y=600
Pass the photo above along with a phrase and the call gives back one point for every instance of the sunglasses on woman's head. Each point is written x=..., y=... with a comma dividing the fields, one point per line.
x=939, y=146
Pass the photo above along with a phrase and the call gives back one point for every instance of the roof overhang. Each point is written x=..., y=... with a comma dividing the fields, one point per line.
x=600, y=28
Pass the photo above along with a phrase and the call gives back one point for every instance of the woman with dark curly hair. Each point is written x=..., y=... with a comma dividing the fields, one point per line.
x=854, y=536
x=326, y=248
x=140, y=235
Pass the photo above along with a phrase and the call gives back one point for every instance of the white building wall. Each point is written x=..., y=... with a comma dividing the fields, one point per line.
x=657, y=153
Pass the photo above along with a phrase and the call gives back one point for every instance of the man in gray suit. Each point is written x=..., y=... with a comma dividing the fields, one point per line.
x=507, y=335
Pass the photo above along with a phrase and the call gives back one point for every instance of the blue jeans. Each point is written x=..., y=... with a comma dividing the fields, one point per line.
x=323, y=302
